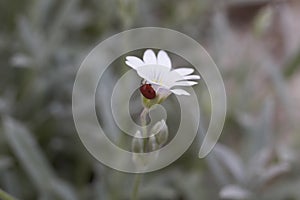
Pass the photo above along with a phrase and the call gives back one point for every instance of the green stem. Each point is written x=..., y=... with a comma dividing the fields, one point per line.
x=136, y=186
x=5, y=196
x=144, y=129
x=138, y=177
x=144, y=117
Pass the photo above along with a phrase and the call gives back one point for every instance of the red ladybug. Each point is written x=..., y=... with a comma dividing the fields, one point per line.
x=147, y=91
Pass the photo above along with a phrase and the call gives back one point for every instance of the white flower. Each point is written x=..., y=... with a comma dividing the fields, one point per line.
x=157, y=70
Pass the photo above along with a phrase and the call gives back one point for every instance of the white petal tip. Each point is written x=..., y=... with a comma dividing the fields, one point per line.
x=134, y=62
x=184, y=71
x=180, y=92
x=192, y=77
x=163, y=59
x=149, y=57
x=185, y=83
x=130, y=64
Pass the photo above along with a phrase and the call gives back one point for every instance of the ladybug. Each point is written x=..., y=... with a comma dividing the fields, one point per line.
x=148, y=91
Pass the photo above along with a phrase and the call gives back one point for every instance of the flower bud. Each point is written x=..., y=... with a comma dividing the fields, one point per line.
x=152, y=143
x=137, y=144
x=161, y=133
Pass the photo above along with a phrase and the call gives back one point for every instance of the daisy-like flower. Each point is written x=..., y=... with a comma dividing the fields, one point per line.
x=160, y=79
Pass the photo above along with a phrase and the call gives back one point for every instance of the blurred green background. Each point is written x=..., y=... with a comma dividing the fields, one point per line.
x=256, y=45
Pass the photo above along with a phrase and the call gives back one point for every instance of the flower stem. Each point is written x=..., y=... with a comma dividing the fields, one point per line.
x=135, y=191
x=144, y=129
x=138, y=177
x=144, y=117
x=5, y=196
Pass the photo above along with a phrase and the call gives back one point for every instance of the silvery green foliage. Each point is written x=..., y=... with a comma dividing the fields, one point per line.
x=234, y=192
x=43, y=42
x=34, y=163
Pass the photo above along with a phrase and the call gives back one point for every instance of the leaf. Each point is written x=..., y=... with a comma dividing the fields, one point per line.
x=5, y=162
x=263, y=21
x=61, y=189
x=32, y=40
x=27, y=152
x=6, y=196
x=288, y=189
x=234, y=192
x=231, y=160
x=33, y=161
x=212, y=161
x=274, y=171
x=293, y=65
x=259, y=129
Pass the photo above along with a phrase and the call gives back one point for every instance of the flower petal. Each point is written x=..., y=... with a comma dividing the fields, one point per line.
x=191, y=77
x=164, y=59
x=180, y=92
x=169, y=78
x=134, y=62
x=163, y=92
x=149, y=57
x=184, y=71
x=154, y=74
x=185, y=83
